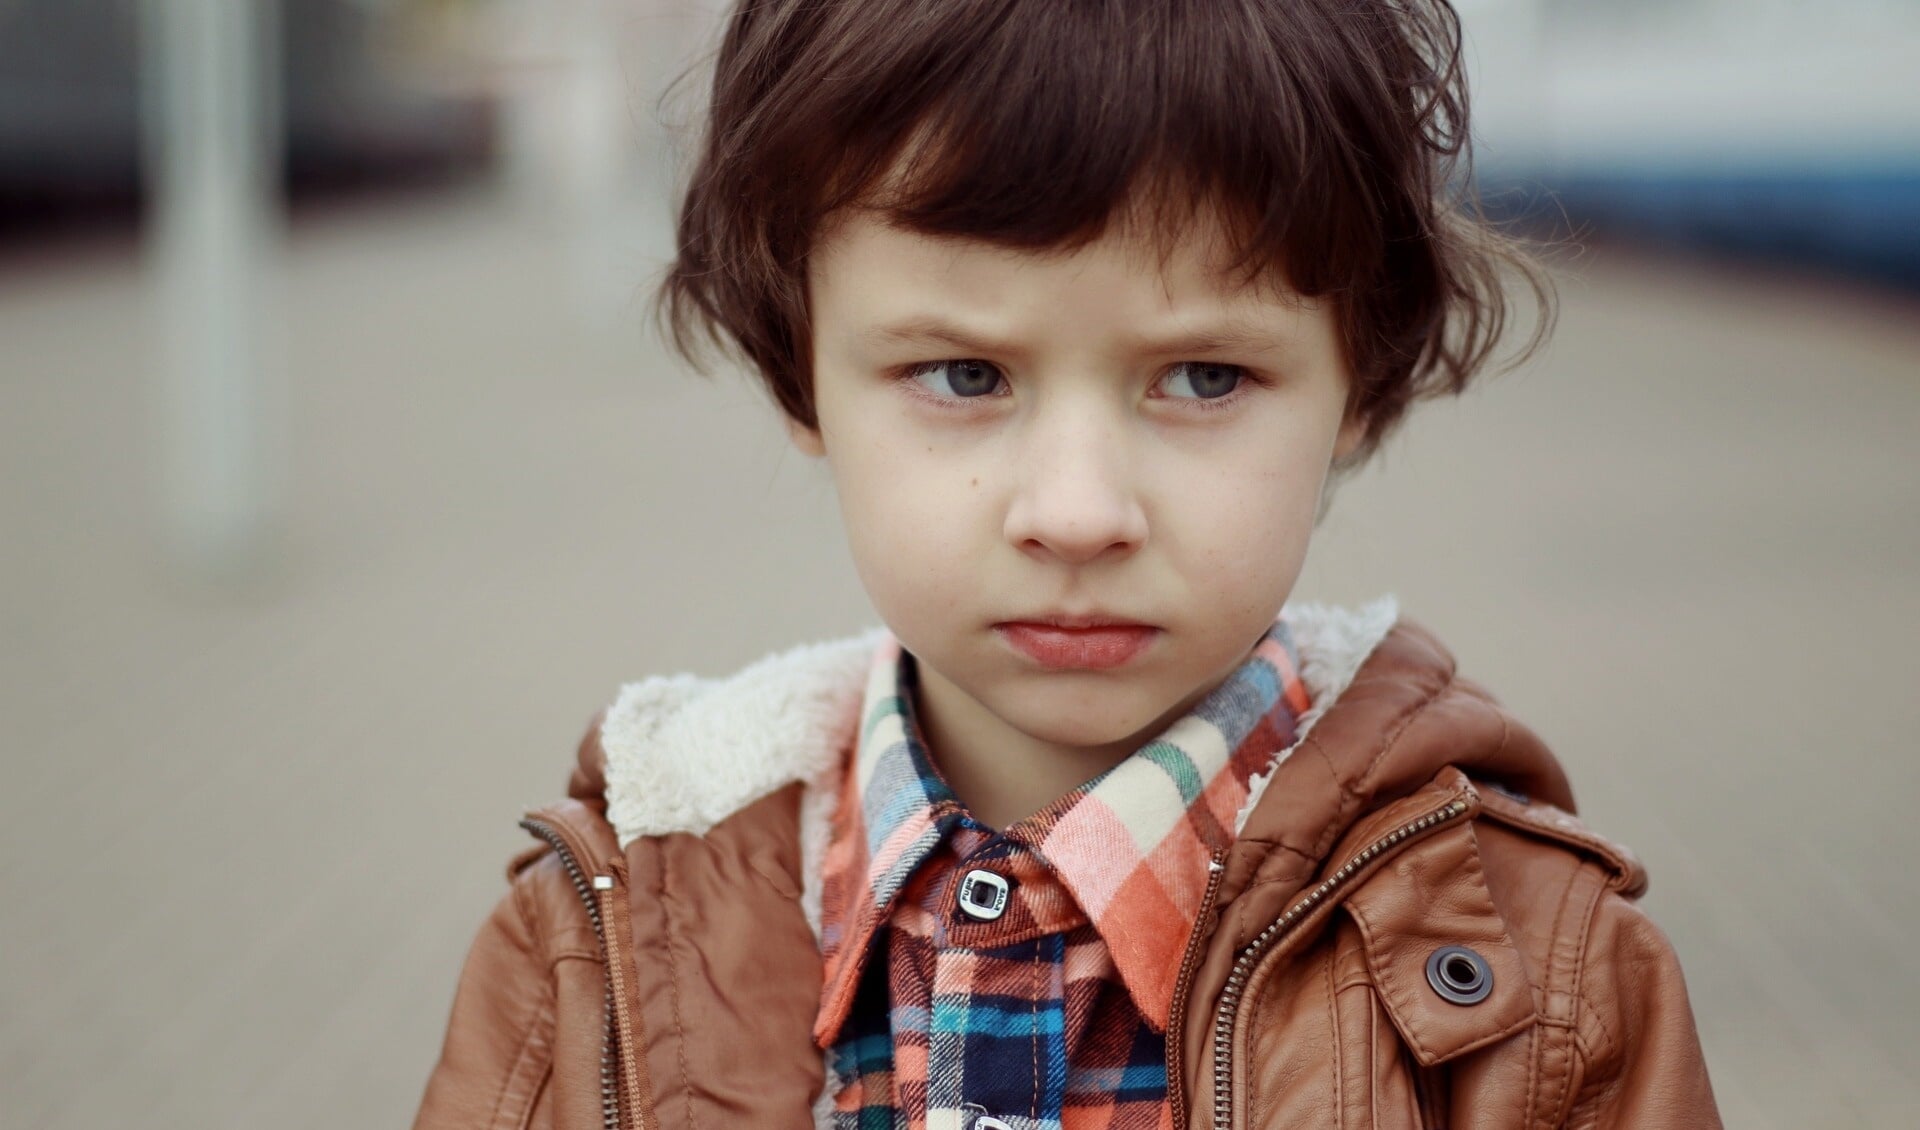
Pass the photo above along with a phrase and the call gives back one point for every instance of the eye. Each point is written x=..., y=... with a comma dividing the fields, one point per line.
x=964, y=379
x=1203, y=380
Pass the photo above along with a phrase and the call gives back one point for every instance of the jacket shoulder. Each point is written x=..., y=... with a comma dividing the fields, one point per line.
x=1611, y=1002
x=551, y=918
x=1540, y=824
x=1552, y=881
x=509, y=1000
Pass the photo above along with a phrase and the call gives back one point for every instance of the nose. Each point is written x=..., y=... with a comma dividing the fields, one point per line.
x=1077, y=496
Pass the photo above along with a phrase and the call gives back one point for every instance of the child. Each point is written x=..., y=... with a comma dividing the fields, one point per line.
x=1081, y=302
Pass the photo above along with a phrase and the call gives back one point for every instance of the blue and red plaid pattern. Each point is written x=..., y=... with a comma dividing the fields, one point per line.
x=1053, y=1014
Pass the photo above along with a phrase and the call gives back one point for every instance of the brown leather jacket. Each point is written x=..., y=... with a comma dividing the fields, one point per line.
x=635, y=975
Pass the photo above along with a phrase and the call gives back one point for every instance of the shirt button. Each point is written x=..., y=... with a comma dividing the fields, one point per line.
x=989, y=1122
x=983, y=895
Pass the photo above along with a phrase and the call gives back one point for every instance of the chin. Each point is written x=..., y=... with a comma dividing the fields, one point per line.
x=1083, y=723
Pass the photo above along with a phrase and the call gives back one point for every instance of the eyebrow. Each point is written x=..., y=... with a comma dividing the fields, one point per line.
x=1229, y=336
x=1223, y=336
x=919, y=331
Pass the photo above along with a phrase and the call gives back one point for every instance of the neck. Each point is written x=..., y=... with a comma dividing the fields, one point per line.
x=1001, y=773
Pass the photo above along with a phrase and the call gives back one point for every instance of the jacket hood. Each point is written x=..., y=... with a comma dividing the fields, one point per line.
x=680, y=753
x=1402, y=716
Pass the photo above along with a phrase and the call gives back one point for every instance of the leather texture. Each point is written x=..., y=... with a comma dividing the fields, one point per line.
x=1416, y=813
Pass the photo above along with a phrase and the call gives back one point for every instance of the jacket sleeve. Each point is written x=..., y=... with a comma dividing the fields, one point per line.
x=497, y=1052
x=1644, y=1066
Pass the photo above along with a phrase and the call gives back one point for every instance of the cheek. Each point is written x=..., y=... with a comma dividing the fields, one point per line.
x=913, y=524
x=1245, y=537
x=1290, y=501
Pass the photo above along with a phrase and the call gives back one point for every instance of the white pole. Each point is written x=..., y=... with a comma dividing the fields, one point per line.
x=212, y=114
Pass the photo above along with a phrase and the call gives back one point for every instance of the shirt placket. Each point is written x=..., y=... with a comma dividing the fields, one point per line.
x=997, y=1051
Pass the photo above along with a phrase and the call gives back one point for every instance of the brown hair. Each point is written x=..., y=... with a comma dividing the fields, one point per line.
x=1331, y=135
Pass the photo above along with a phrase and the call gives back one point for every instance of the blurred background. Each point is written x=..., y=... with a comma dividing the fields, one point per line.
x=342, y=481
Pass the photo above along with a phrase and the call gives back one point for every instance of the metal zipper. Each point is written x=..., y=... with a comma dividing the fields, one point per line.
x=1182, y=986
x=1229, y=1006
x=609, y=1070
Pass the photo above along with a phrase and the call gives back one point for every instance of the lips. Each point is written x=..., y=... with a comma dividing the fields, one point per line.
x=1091, y=620
x=1085, y=642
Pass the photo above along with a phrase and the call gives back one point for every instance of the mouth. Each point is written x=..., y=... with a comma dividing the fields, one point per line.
x=1082, y=642
x=1092, y=620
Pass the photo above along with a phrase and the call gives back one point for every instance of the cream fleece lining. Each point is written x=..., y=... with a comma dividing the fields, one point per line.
x=1332, y=643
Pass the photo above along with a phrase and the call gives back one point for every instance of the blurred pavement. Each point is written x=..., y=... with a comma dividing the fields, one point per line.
x=248, y=835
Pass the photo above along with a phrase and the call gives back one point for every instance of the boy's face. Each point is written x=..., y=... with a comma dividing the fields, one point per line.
x=1016, y=435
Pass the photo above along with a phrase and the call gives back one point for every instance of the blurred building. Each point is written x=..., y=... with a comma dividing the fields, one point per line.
x=359, y=111
x=1768, y=129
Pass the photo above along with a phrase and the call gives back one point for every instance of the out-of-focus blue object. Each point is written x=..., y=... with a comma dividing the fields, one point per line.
x=1762, y=130
x=1860, y=219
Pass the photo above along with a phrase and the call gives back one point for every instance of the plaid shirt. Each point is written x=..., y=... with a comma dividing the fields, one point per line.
x=1053, y=1013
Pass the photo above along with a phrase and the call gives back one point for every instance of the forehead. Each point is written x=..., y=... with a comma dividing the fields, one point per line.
x=863, y=259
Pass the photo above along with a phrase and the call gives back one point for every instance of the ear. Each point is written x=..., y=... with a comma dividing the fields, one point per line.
x=1352, y=431
x=807, y=440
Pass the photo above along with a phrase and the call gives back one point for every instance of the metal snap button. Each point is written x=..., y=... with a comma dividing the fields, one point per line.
x=983, y=895
x=1459, y=974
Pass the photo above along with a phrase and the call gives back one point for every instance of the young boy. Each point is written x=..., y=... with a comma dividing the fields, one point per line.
x=1081, y=302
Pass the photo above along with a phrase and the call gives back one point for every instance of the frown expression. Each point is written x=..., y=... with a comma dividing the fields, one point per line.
x=1016, y=434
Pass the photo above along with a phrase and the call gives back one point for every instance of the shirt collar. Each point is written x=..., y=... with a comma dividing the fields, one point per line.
x=1134, y=845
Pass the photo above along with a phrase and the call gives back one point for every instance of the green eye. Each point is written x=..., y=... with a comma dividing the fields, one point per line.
x=1204, y=380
